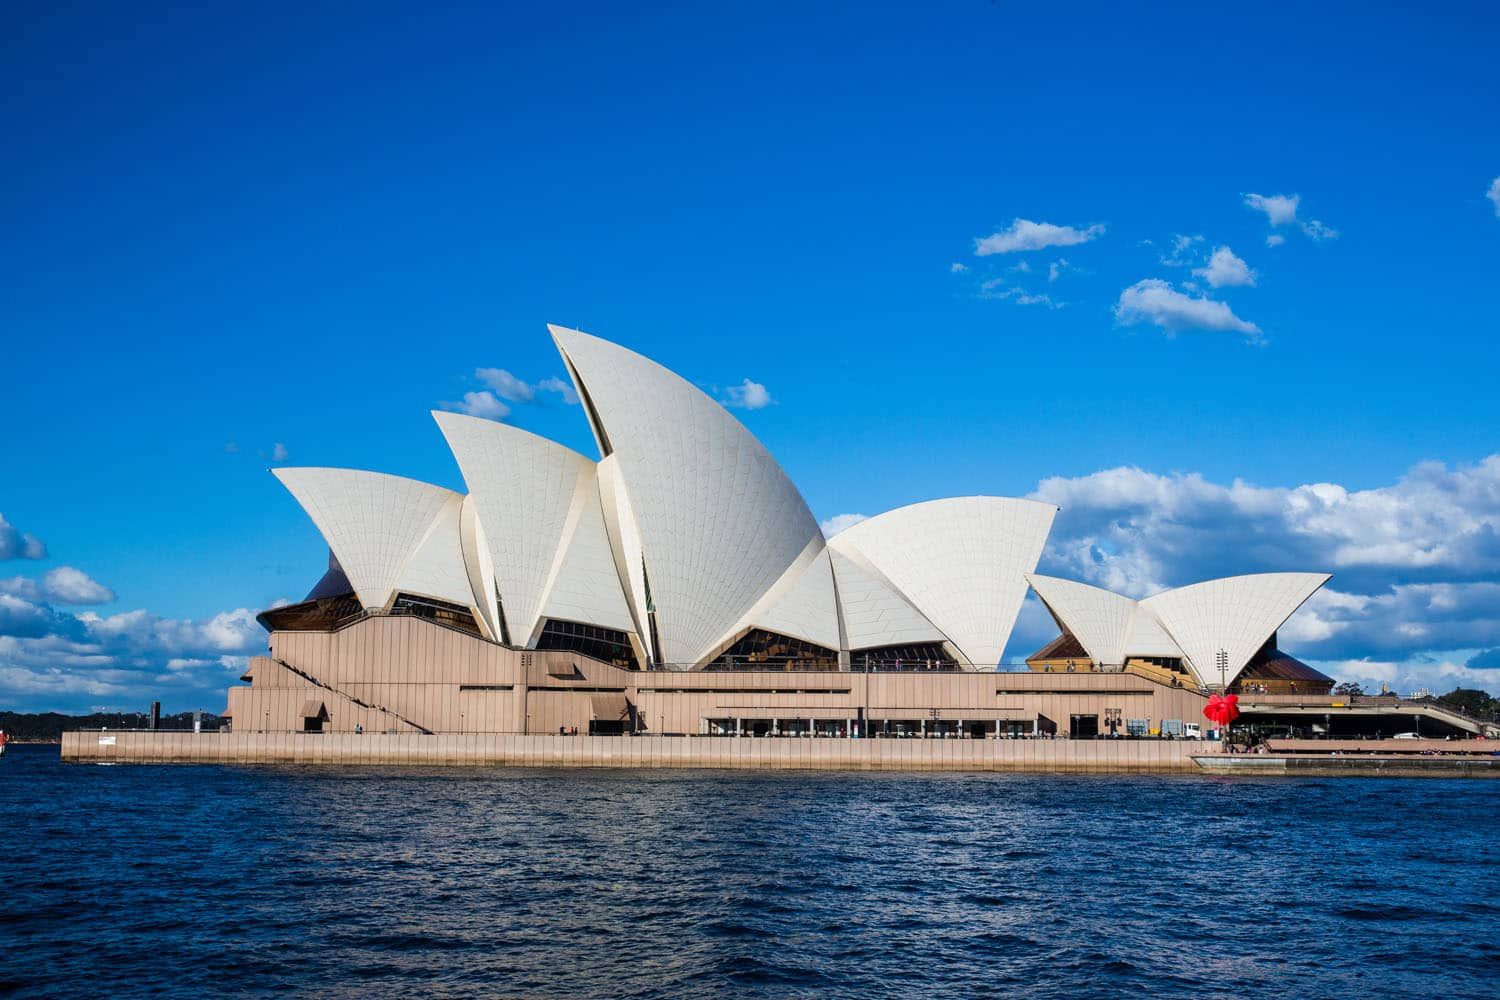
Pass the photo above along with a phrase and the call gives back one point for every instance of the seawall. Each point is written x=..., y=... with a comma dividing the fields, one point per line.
x=1055, y=756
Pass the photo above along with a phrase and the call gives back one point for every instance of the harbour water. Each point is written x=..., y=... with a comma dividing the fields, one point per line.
x=181, y=880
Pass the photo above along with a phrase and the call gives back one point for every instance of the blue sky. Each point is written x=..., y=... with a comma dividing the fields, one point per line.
x=228, y=231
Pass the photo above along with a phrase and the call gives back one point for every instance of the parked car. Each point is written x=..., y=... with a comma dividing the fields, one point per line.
x=1407, y=736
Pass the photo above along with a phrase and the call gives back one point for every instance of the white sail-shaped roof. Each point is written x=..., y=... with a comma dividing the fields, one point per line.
x=376, y=523
x=804, y=607
x=874, y=612
x=436, y=567
x=586, y=587
x=529, y=495
x=961, y=562
x=1097, y=618
x=1148, y=638
x=718, y=521
x=1236, y=614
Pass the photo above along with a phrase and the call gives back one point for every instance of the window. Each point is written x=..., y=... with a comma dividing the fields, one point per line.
x=607, y=644
x=759, y=649
x=443, y=613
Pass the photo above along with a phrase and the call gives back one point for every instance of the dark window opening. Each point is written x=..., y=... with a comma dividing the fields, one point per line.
x=607, y=644
x=911, y=657
x=759, y=649
x=443, y=613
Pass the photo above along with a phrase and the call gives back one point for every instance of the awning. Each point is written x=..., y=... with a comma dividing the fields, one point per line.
x=312, y=709
x=609, y=707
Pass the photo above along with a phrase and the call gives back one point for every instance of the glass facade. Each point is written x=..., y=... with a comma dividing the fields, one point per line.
x=759, y=649
x=607, y=644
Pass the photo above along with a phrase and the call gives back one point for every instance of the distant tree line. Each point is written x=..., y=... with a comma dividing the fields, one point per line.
x=48, y=727
x=1474, y=703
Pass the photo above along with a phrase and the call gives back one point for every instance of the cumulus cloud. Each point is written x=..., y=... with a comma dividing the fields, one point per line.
x=1494, y=194
x=505, y=385
x=1154, y=301
x=1056, y=268
x=1415, y=563
x=16, y=545
x=564, y=390
x=957, y=268
x=1224, y=269
x=279, y=452
x=480, y=404
x=1281, y=210
x=502, y=389
x=1275, y=240
x=47, y=656
x=62, y=585
x=747, y=395
x=839, y=522
x=1024, y=234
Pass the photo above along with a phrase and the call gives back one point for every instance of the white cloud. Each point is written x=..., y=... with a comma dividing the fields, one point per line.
x=1022, y=297
x=1317, y=231
x=957, y=268
x=1184, y=251
x=279, y=452
x=1416, y=563
x=1275, y=240
x=1056, y=268
x=564, y=390
x=504, y=388
x=1280, y=209
x=747, y=395
x=15, y=545
x=61, y=585
x=1155, y=301
x=66, y=585
x=1494, y=194
x=1021, y=266
x=48, y=656
x=480, y=404
x=839, y=522
x=1224, y=269
x=1024, y=234
x=506, y=385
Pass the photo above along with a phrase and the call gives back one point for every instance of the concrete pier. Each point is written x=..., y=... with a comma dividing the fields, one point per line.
x=1050, y=756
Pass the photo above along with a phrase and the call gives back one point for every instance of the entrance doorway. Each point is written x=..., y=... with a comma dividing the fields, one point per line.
x=1084, y=727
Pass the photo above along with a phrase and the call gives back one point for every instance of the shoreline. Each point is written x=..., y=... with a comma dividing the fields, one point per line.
x=813, y=754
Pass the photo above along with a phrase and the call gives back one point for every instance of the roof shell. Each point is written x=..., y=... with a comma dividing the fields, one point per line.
x=1236, y=614
x=537, y=504
x=718, y=520
x=961, y=562
x=375, y=523
x=1098, y=618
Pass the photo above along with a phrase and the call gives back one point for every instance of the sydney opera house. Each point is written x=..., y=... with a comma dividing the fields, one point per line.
x=679, y=584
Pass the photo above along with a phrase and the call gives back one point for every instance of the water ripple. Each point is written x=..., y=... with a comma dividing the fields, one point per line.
x=137, y=881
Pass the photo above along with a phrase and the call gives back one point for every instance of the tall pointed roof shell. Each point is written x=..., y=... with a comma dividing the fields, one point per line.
x=719, y=522
x=1236, y=614
x=962, y=562
x=530, y=495
x=374, y=523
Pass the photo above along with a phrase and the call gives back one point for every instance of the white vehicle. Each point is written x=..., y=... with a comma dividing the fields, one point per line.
x=1192, y=731
x=1407, y=736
